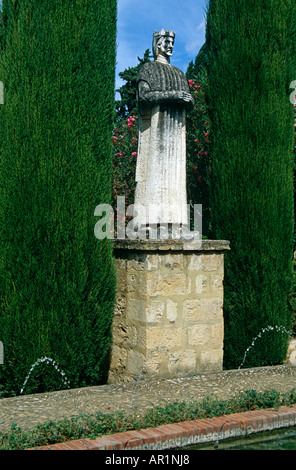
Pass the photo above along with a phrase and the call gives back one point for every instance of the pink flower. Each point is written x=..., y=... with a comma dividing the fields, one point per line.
x=131, y=121
x=190, y=83
x=134, y=154
x=120, y=154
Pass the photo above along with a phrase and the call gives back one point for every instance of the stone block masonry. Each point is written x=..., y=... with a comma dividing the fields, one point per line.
x=168, y=320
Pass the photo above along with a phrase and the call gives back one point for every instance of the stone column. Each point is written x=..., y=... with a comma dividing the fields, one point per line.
x=168, y=320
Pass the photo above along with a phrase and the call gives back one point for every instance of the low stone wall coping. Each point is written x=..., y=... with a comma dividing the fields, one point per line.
x=172, y=245
x=199, y=431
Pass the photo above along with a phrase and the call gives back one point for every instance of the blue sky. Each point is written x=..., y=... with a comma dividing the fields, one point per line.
x=137, y=20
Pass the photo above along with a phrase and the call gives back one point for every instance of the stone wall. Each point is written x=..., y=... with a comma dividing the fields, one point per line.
x=168, y=321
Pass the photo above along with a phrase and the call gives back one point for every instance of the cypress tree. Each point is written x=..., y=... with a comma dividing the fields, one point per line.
x=57, y=281
x=127, y=105
x=198, y=68
x=251, y=63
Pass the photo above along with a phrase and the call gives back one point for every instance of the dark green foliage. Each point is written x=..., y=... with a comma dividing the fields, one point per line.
x=295, y=171
x=199, y=165
x=198, y=68
x=125, y=148
x=57, y=281
x=127, y=105
x=251, y=63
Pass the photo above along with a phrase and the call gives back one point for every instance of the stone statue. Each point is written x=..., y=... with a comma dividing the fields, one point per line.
x=163, y=99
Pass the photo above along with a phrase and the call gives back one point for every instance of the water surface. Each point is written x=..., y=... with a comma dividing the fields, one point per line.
x=282, y=439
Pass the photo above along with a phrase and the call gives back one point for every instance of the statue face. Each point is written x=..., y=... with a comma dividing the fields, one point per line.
x=165, y=46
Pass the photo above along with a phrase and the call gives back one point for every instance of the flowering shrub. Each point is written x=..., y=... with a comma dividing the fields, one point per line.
x=125, y=146
x=198, y=155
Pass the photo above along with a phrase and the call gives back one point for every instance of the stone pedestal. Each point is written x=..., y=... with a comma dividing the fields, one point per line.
x=168, y=321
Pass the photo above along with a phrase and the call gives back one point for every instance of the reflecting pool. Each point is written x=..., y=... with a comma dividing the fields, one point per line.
x=281, y=439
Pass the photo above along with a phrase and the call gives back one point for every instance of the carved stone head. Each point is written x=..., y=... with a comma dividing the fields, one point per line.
x=163, y=43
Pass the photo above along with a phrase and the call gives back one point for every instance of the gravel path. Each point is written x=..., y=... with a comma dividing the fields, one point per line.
x=29, y=410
